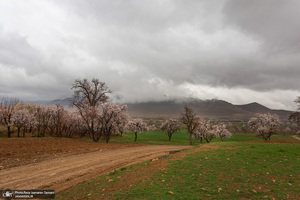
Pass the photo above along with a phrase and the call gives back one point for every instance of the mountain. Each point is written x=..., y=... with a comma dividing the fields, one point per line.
x=254, y=107
x=213, y=109
x=63, y=102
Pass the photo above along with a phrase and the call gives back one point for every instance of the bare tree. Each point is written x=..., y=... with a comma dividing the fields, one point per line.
x=295, y=116
x=191, y=121
x=87, y=98
x=7, y=109
x=171, y=126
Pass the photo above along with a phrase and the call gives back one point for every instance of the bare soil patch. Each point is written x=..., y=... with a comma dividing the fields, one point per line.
x=62, y=163
x=21, y=151
x=296, y=137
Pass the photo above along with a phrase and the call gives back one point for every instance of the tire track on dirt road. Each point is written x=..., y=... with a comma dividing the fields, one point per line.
x=62, y=173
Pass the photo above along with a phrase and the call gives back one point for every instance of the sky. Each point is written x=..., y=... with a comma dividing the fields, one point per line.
x=239, y=51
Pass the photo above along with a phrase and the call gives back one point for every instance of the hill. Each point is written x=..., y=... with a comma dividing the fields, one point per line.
x=213, y=109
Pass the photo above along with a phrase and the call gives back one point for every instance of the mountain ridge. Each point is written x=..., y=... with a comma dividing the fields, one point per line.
x=210, y=108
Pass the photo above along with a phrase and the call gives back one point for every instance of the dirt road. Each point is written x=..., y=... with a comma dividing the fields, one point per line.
x=61, y=173
x=296, y=137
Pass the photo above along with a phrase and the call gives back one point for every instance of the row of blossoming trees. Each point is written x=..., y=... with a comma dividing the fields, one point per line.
x=264, y=125
x=200, y=128
x=94, y=115
x=97, y=117
x=197, y=127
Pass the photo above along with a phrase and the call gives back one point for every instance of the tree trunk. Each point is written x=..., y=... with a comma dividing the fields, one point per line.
x=191, y=139
x=170, y=136
x=19, y=131
x=206, y=140
x=135, y=136
x=39, y=130
x=95, y=139
x=8, y=132
x=24, y=129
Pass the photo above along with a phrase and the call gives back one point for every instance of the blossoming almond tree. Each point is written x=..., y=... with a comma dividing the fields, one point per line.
x=221, y=131
x=121, y=125
x=7, y=110
x=171, y=126
x=137, y=126
x=201, y=130
x=42, y=115
x=74, y=125
x=22, y=119
x=264, y=125
x=205, y=130
x=59, y=118
x=110, y=117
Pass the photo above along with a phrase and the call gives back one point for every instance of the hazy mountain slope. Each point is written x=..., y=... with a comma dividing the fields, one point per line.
x=214, y=109
x=254, y=107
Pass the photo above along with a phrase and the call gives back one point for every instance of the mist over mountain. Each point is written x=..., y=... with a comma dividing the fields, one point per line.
x=213, y=109
x=67, y=102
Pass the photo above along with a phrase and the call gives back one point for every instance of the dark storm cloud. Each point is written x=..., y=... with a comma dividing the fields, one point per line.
x=152, y=50
x=168, y=40
x=275, y=22
x=24, y=71
x=276, y=26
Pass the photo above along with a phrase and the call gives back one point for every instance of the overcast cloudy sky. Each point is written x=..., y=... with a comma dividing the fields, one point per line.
x=237, y=50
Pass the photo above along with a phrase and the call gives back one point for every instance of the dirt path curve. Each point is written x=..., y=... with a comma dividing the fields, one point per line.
x=296, y=137
x=62, y=173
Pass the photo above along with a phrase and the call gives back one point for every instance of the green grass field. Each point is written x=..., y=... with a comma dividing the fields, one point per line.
x=233, y=169
x=181, y=138
x=254, y=171
x=153, y=137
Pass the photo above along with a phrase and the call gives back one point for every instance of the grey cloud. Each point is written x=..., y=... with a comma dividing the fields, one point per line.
x=146, y=16
x=147, y=50
x=16, y=52
x=275, y=22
